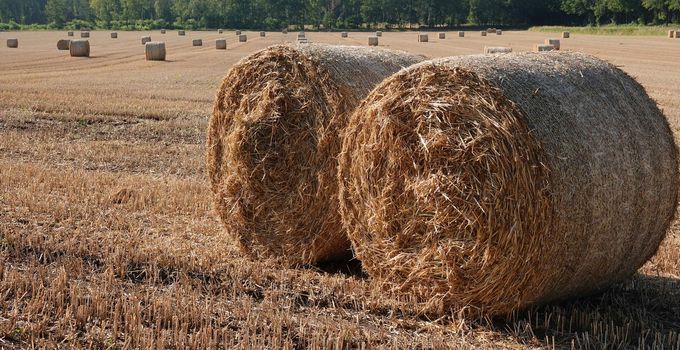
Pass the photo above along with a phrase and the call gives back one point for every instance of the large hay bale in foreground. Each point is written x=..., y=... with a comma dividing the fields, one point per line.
x=80, y=48
x=63, y=44
x=497, y=182
x=221, y=44
x=273, y=142
x=155, y=51
x=13, y=43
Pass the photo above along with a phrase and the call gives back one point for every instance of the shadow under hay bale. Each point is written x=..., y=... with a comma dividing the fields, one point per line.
x=496, y=182
x=272, y=160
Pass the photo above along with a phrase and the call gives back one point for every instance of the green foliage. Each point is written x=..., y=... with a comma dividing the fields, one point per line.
x=327, y=14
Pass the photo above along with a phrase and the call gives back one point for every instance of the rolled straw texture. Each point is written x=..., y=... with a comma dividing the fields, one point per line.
x=490, y=183
x=273, y=141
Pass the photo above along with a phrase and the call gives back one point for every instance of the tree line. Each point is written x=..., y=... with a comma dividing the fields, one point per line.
x=329, y=14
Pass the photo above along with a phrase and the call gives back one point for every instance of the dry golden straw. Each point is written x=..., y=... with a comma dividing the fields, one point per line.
x=273, y=141
x=489, y=183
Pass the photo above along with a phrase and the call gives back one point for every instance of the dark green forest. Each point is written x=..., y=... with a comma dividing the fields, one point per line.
x=328, y=14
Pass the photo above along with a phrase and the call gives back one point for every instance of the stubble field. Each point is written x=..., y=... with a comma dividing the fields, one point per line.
x=108, y=237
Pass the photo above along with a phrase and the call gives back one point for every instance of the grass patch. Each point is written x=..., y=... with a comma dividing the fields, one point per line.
x=626, y=29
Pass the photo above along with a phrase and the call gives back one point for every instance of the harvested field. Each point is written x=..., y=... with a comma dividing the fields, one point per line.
x=109, y=239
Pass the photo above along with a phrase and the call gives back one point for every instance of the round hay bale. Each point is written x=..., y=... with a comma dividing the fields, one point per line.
x=273, y=141
x=499, y=32
x=566, y=35
x=553, y=42
x=181, y=33
x=491, y=30
x=63, y=44
x=285, y=31
x=498, y=182
x=343, y=35
x=155, y=51
x=79, y=48
x=238, y=32
x=114, y=35
x=163, y=31
x=301, y=34
x=543, y=48
x=13, y=43
x=69, y=33
x=84, y=34
x=442, y=35
x=242, y=38
x=220, y=31
x=677, y=34
x=422, y=38
x=494, y=50
x=378, y=33
x=221, y=44
x=372, y=41
x=263, y=34
x=146, y=39
x=461, y=34
x=482, y=33
x=197, y=42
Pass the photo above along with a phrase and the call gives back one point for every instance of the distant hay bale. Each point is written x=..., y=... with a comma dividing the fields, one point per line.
x=79, y=48
x=491, y=183
x=114, y=35
x=13, y=43
x=238, y=32
x=197, y=42
x=671, y=33
x=285, y=31
x=155, y=51
x=553, y=42
x=442, y=35
x=242, y=38
x=543, y=48
x=69, y=33
x=482, y=33
x=145, y=39
x=378, y=33
x=301, y=34
x=163, y=31
x=494, y=50
x=499, y=32
x=491, y=30
x=422, y=38
x=220, y=31
x=677, y=34
x=63, y=44
x=263, y=34
x=372, y=41
x=84, y=34
x=461, y=34
x=566, y=35
x=273, y=140
x=221, y=44
x=343, y=34
x=181, y=33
